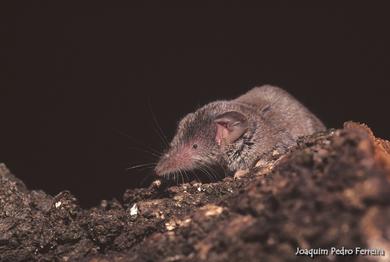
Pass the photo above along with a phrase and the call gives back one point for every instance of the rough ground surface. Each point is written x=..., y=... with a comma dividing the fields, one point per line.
x=332, y=190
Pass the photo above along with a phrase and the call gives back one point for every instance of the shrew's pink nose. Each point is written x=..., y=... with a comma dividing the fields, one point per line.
x=174, y=161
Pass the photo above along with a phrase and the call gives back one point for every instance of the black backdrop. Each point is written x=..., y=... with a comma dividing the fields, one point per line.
x=79, y=83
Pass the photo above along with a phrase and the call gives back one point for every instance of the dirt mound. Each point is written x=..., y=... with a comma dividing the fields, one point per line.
x=333, y=190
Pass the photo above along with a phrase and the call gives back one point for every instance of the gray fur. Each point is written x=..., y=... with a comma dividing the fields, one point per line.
x=275, y=121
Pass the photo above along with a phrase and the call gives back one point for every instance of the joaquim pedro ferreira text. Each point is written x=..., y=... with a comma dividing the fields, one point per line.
x=340, y=251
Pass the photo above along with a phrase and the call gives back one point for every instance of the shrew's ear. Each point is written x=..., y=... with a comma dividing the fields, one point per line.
x=230, y=126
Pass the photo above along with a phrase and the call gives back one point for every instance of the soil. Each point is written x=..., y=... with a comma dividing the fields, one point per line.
x=332, y=190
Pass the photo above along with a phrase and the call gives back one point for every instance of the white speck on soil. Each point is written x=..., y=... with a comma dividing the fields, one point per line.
x=134, y=210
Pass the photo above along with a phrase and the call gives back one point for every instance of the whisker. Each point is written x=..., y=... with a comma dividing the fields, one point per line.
x=212, y=173
x=144, y=179
x=176, y=178
x=221, y=168
x=136, y=141
x=204, y=171
x=210, y=170
x=146, y=151
x=196, y=176
x=186, y=174
x=160, y=133
x=147, y=165
x=182, y=178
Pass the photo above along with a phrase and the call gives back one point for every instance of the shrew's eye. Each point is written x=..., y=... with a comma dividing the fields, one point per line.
x=194, y=146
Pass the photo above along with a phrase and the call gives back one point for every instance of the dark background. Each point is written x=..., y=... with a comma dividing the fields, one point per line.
x=79, y=83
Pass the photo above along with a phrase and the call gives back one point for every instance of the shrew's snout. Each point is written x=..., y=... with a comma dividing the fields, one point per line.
x=176, y=160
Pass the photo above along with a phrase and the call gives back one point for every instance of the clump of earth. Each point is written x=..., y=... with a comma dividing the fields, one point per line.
x=332, y=190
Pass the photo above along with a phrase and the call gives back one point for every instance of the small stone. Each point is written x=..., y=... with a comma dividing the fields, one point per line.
x=134, y=210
